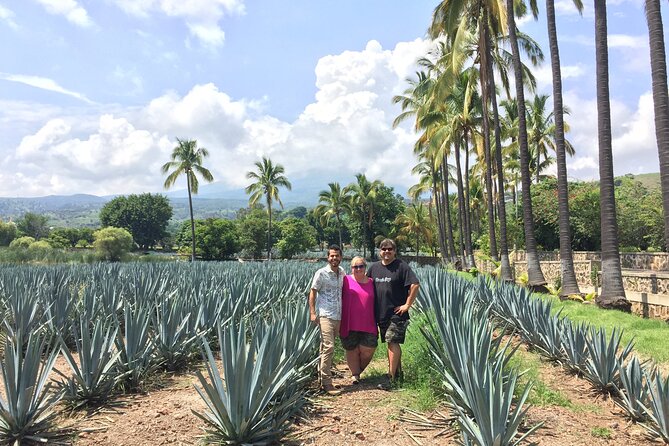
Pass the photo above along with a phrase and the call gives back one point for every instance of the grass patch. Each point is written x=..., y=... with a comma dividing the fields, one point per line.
x=601, y=432
x=651, y=336
x=541, y=394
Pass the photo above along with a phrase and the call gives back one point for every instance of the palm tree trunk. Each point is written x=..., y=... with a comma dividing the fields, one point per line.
x=486, y=138
x=534, y=273
x=461, y=207
x=468, y=209
x=341, y=246
x=192, y=220
x=658, y=67
x=569, y=283
x=440, y=225
x=505, y=271
x=613, y=292
x=447, y=211
x=269, y=229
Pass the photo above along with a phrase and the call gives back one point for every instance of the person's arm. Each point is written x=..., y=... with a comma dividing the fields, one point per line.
x=411, y=298
x=312, y=306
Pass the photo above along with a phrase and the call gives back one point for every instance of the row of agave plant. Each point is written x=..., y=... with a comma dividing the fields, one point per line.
x=472, y=361
x=119, y=325
x=637, y=387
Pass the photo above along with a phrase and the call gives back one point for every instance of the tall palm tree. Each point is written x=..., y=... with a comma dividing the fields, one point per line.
x=541, y=134
x=658, y=66
x=613, y=292
x=534, y=273
x=569, y=283
x=268, y=178
x=415, y=223
x=334, y=203
x=187, y=159
x=363, y=202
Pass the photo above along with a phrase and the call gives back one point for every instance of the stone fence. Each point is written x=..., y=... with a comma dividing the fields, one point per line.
x=651, y=261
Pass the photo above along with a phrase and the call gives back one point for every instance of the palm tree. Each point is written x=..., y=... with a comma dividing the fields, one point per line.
x=541, y=134
x=658, y=65
x=415, y=222
x=363, y=201
x=534, y=273
x=569, y=283
x=613, y=292
x=334, y=202
x=268, y=178
x=187, y=159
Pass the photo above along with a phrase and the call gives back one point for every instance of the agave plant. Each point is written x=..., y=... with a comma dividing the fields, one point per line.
x=497, y=416
x=633, y=390
x=658, y=407
x=260, y=388
x=575, y=346
x=27, y=409
x=93, y=378
x=136, y=360
x=605, y=360
x=175, y=332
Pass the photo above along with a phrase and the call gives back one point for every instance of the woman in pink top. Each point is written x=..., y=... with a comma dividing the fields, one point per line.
x=358, y=330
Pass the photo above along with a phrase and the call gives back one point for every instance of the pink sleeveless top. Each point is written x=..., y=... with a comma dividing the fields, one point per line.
x=357, y=307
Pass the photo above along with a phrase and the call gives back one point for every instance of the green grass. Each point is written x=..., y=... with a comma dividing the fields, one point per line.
x=651, y=336
x=601, y=432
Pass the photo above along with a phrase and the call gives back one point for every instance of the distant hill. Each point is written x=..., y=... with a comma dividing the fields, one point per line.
x=651, y=181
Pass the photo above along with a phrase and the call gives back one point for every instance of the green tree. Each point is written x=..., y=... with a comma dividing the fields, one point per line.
x=34, y=225
x=253, y=231
x=335, y=202
x=68, y=237
x=145, y=216
x=112, y=243
x=297, y=236
x=415, y=225
x=268, y=178
x=8, y=232
x=363, y=202
x=187, y=160
x=215, y=238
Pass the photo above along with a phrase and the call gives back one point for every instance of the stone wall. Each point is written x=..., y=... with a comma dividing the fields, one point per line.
x=552, y=270
x=646, y=282
x=651, y=261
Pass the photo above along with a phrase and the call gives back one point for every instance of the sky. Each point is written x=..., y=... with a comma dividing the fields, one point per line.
x=94, y=93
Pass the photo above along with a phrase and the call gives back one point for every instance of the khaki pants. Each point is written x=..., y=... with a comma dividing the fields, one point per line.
x=329, y=329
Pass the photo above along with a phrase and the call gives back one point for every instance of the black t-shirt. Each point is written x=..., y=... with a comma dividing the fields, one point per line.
x=391, y=285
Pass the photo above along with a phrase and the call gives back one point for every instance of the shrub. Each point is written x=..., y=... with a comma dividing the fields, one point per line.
x=22, y=242
x=112, y=243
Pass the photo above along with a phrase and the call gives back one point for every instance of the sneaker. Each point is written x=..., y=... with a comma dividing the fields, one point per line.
x=355, y=379
x=386, y=384
x=331, y=390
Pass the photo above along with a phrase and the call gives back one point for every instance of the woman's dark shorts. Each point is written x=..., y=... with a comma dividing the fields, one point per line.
x=357, y=338
x=393, y=332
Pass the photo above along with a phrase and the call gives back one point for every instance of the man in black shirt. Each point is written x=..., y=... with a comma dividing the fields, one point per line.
x=396, y=288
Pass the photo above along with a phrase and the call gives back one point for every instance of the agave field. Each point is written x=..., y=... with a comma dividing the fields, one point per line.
x=245, y=328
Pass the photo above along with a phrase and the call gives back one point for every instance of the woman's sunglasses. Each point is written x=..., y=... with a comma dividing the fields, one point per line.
x=358, y=266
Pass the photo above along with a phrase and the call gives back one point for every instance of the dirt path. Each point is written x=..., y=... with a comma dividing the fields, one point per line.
x=361, y=414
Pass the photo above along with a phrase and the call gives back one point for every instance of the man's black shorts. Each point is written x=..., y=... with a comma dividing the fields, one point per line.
x=393, y=331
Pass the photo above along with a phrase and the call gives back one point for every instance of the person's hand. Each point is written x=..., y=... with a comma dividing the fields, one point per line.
x=402, y=309
x=313, y=318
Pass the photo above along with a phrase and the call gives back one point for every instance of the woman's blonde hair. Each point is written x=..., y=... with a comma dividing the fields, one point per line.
x=356, y=258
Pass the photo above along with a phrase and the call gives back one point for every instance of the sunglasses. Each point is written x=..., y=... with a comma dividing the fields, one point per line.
x=387, y=249
x=358, y=266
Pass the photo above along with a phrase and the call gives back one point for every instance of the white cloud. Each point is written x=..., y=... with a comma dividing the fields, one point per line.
x=544, y=75
x=346, y=130
x=70, y=9
x=627, y=41
x=633, y=133
x=44, y=84
x=201, y=16
x=7, y=16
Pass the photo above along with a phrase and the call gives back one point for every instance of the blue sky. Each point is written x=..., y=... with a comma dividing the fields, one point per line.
x=94, y=93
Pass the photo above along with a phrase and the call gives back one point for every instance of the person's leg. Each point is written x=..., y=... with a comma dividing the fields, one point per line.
x=394, y=359
x=366, y=355
x=329, y=329
x=353, y=361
